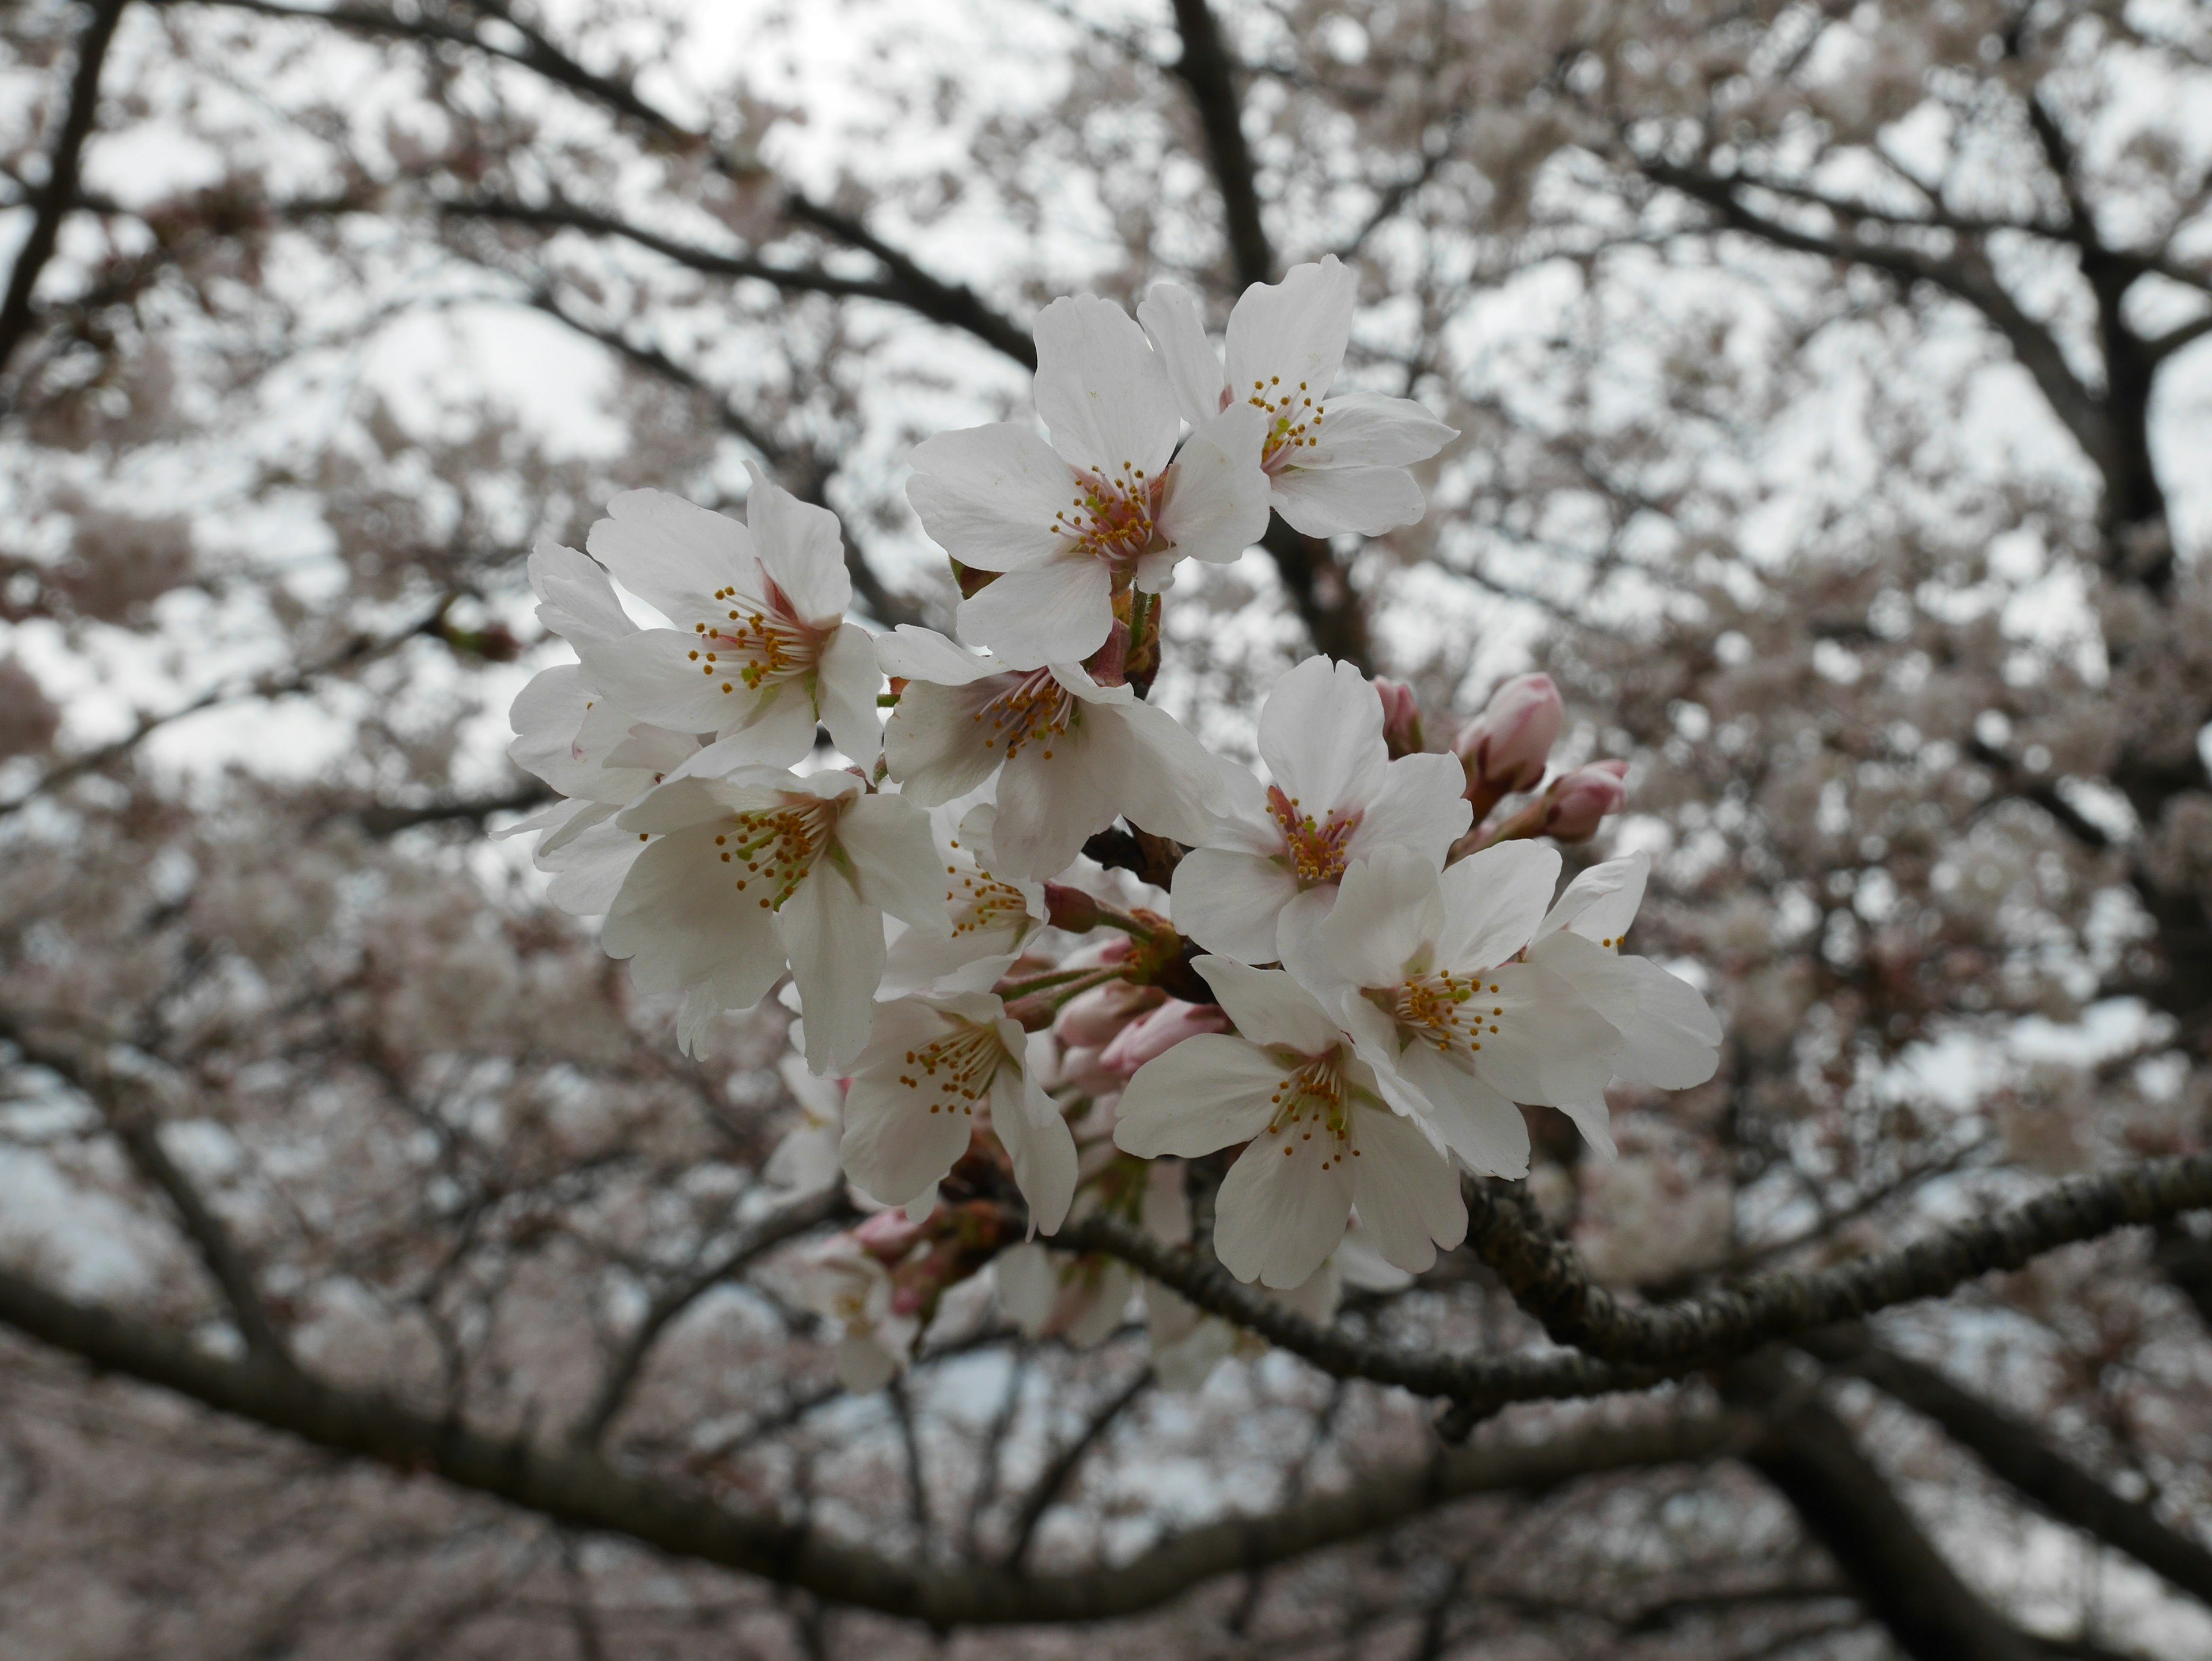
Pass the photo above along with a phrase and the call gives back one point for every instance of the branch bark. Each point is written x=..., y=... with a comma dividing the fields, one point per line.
x=1204, y=69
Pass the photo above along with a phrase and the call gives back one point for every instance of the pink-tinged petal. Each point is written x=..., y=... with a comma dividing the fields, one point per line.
x=835, y=940
x=671, y=552
x=1326, y=502
x=894, y=1148
x=1228, y=902
x=1169, y=315
x=1321, y=734
x=1285, y=333
x=652, y=675
x=1387, y=910
x=1542, y=1042
x=1158, y=777
x=801, y=549
x=1206, y=1093
x=1407, y=1192
x=1102, y=390
x=1482, y=1127
x=1270, y=1008
x=1601, y=904
x=988, y=495
x=1493, y=901
x=1365, y=429
x=1282, y=1209
x=1048, y=808
x=846, y=683
x=917, y=653
x=933, y=743
x=577, y=602
x=1060, y=608
x=1420, y=807
x=1038, y=1144
x=683, y=924
x=1217, y=499
x=894, y=860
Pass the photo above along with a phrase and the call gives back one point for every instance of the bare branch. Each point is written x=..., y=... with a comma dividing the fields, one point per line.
x=1057, y=1475
x=1204, y=69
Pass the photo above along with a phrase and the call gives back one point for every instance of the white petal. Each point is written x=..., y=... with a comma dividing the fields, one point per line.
x=577, y=601
x=1364, y=429
x=933, y=742
x=1269, y=1007
x=801, y=550
x=1047, y=808
x=1493, y=901
x=1326, y=502
x=1484, y=1128
x=1101, y=390
x=1321, y=734
x=1217, y=499
x=651, y=675
x=835, y=943
x=1206, y=1093
x=1407, y=1192
x=1601, y=903
x=1669, y=1038
x=589, y=869
x=847, y=682
x=864, y=1366
x=1282, y=1209
x=779, y=730
x=1060, y=608
x=916, y=654
x=1171, y=317
x=546, y=715
x=671, y=552
x=1028, y=1280
x=1038, y=1143
x=895, y=1147
x=988, y=495
x=1158, y=777
x=1550, y=1047
x=1387, y=909
x=1228, y=902
x=1420, y=807
x=895, y=862
x=1294, y=330
x=680, y=920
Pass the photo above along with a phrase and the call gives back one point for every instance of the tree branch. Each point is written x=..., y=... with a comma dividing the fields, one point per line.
x=58, y=195
x=1064, y=1465
x=579, y=1489
x=1204, y=69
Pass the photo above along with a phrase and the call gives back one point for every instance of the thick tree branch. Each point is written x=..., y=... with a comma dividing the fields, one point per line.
x=1204, y=69
x=579, y=1489
x=58, y=195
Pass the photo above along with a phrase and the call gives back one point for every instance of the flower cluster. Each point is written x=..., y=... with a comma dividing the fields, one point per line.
x=1361, y=971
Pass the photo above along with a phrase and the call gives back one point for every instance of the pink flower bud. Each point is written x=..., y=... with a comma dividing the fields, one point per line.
x=1578, y=801
x=1401, y=718
x=1153, y=1035
x=1507, y=746
x=1092, y=1020
x=888, y=1236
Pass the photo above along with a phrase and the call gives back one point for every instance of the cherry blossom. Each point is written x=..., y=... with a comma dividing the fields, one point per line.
x=1109, y=504
x=1069, y=754
x=1276, y=853
x=760, y=652
x=934, y=1064
x=806, y=1158
x=764, y=869
x=991, y=915
x=1286, y=345
x=1322, y=1138
x=845, y=1284
x=1420, y=970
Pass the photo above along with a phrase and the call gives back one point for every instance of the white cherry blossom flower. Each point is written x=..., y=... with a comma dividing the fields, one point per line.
x=1275, y=856
x=760, y=652
x=847, y=1285
x=934, y=1065
x=1669, y=1038
x=1110, y=502
x=1334, y=463
x=1421, y=971
x=763, y=868
x=991, y=915
x=806, y=1159
x=1321, y=1137
x=1073, y=753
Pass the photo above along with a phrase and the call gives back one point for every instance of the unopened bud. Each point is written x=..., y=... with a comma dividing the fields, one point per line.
x=888, y=1236
x=1506, y=747
x=1577, y=802
x=1401, y=718
x=1093, y=1020
x=1151, y=1036
x=1070, y=908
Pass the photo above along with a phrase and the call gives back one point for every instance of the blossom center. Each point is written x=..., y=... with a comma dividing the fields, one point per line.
x=980, y=902
x=775, y=848
x=955, y=1073
x=1313, y=1098
x=1316, y=848
x=1027, y=708
x=1293, y=420
x=759, y=638
x=1113, y=518
x=1443, y=1010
